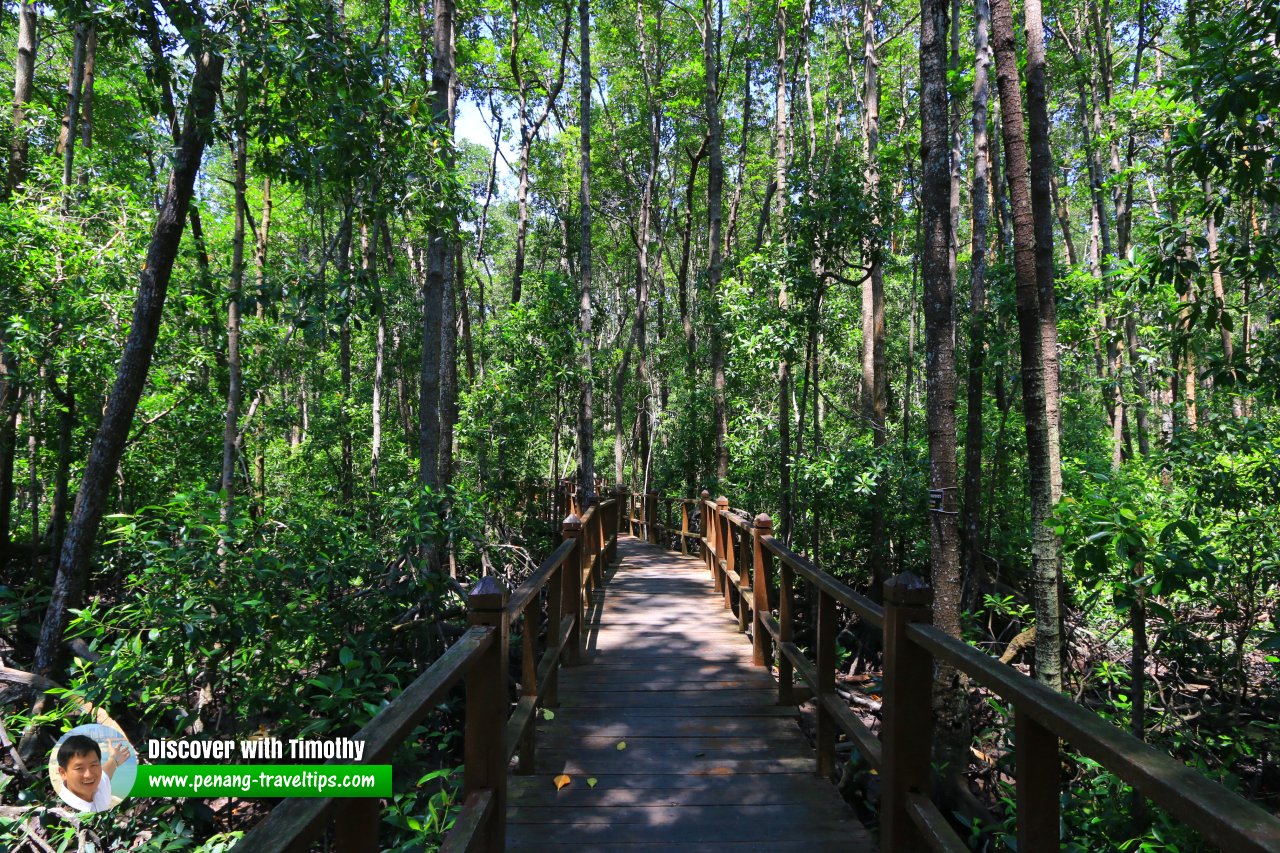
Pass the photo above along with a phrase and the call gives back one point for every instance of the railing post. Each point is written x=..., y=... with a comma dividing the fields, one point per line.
x=601, y=553
x=907, y=729
x=571, y=588
x=826, y=666
x=684, y=527
x=708, y=533
x=761, y=639
x=1038, y=783
x=529, y=676
x=651, y=516
x=617, y=525
x=724, y=549
x=355, y=825
x=486, y=714
x=555, y=610
x=786, y=634
x=744, y=563
x=669, y=524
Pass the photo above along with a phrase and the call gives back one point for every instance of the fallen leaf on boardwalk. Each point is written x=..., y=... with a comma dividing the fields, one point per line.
x=548, y=714
x=591, y=782
x=622, y=744
x=561, y=781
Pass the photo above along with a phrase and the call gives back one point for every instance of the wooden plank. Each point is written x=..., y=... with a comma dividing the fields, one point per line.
x=694, y=828
x=650, y=655
x=586, y=764
x=789, y=820
x=589, y=725
x=610, y=791
x=738, y=658
x=632, y=680
x=841, y=845
x=696, y=746
x=623, y=712
x=606, y=678
x=664, y=699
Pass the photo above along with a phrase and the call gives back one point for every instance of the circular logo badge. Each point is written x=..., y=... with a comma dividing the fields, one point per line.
x=93, y=767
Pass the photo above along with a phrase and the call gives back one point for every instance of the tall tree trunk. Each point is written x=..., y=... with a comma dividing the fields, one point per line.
x=1102, y=255
x=1124, y=230
x=1064, y=223
x=526, y=141
x=33, y=475
x=231, y=416
x=715, y=196
x=71, y=118
x=950, y=691
x=527, y=131
x=347, y=473
x=449, y=365
x=260, y=268
x=953, y=251
x=10, y=401
x=686, y=315
x=782, y=134
x=135, y=361
x=86, y=90
x=436, y=289
x=23, y=78
x=740, y=179
x=10, y=390
x=971, y=519
x=368, y=257
x=1044, y=547
x=999, y=187
x=651, y=72
x=62, y=473
x=874, y=375
x=1220, y=296
x=1042, y=213
x=586, y=431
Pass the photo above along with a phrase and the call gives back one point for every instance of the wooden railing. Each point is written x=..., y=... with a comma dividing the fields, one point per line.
x=493, y=733
x=758, y=575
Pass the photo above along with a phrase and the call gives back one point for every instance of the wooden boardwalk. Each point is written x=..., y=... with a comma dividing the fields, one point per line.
x=711, y=762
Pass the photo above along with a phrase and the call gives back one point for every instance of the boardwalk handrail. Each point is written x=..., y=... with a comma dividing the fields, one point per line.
x=733, y=547
x=479, y=659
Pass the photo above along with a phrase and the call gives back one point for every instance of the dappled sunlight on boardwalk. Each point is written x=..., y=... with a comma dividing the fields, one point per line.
x=682, y=735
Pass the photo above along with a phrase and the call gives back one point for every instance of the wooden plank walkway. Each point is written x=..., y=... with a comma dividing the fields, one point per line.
x=711, y=762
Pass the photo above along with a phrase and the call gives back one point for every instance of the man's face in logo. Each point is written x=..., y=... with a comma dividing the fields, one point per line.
x=82, y=774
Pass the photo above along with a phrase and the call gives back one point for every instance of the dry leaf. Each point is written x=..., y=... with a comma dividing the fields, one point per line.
x=561, y=781
x=591, y=782
x=622, y=744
